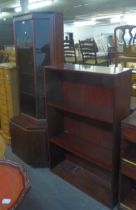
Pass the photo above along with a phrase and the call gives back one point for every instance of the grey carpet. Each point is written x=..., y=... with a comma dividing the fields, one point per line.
x=50, y=192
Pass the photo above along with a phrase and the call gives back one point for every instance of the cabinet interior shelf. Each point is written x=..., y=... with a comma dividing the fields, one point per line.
x=28, y=94
x=80, y=110
x=81, y=148
x=26, y=74
x=130, y=201
x=130, y=158
x=69, y=169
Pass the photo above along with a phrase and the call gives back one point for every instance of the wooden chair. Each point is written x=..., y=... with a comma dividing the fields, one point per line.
x=125, y=44
x=69, y=52
x=89, y=51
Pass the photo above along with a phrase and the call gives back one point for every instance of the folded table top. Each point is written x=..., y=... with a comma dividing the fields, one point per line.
x=14, y=184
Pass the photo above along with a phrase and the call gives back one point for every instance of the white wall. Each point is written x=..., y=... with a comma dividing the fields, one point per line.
x=85, y=32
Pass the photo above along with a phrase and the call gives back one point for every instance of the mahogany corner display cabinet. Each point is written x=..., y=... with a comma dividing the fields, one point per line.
x=39, y=42
x=85, y=106
x=127, y=192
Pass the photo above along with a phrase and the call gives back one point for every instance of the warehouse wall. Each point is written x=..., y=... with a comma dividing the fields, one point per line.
x=85, y=32
x=6, y=34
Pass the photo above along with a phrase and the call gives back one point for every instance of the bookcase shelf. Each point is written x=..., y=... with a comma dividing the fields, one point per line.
x=130, y=157
x=127, y=193
x=79, y=110
x=81, y=148
x=128, y=164
x=80, y=177
x=130, y=201
x=85, y=106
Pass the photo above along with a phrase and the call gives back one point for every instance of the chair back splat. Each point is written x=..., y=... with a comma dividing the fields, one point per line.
x=125, y=44
x=69, y=52
x=88, y=50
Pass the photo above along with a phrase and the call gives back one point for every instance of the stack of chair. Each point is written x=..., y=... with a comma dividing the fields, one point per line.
x=89, y=52
x=69, y=52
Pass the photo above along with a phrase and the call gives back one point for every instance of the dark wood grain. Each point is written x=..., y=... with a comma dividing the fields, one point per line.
x=28, y=142
x=84, y=180
x=85, y=106
x=84, y=149
x=130, y=201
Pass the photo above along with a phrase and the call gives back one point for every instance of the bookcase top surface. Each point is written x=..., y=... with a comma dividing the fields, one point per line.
x=90, y=69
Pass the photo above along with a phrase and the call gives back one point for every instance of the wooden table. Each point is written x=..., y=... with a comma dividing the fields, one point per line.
x=14, y=184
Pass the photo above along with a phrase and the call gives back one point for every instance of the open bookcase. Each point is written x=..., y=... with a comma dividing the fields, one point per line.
x=128, y=164
x=38, y=42
x=85, y=105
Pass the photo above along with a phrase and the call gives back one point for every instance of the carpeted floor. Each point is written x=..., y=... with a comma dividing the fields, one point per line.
x=49, y=192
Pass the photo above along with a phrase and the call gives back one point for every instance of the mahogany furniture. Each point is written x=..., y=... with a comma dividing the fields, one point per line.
x=39, y=42
x=29, y=140
x=14, y=184
x=128, y=164
x=85, y=105
x=125, y=44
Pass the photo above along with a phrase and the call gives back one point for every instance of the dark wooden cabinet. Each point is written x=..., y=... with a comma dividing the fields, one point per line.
x=30, y=140
x=39, y=42
x=85, y=106
x=128, y=164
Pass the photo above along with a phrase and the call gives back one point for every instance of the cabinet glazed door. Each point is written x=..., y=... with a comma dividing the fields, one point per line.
x=24, y=47
x=42, y=58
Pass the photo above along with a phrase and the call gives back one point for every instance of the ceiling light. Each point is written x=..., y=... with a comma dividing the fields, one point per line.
x=80, y=5
x=3, y=14
x=18, y=9
x=115, y=20
x=130, y=19
x=85, y=23
x=39, y=4
x=35, y=5
x=106, y=17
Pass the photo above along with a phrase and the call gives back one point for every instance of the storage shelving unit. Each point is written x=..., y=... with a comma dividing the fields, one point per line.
x=85, y=106
x=128, y=164
x=39, y=42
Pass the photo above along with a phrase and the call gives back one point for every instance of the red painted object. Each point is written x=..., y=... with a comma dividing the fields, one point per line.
x=14, y=184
